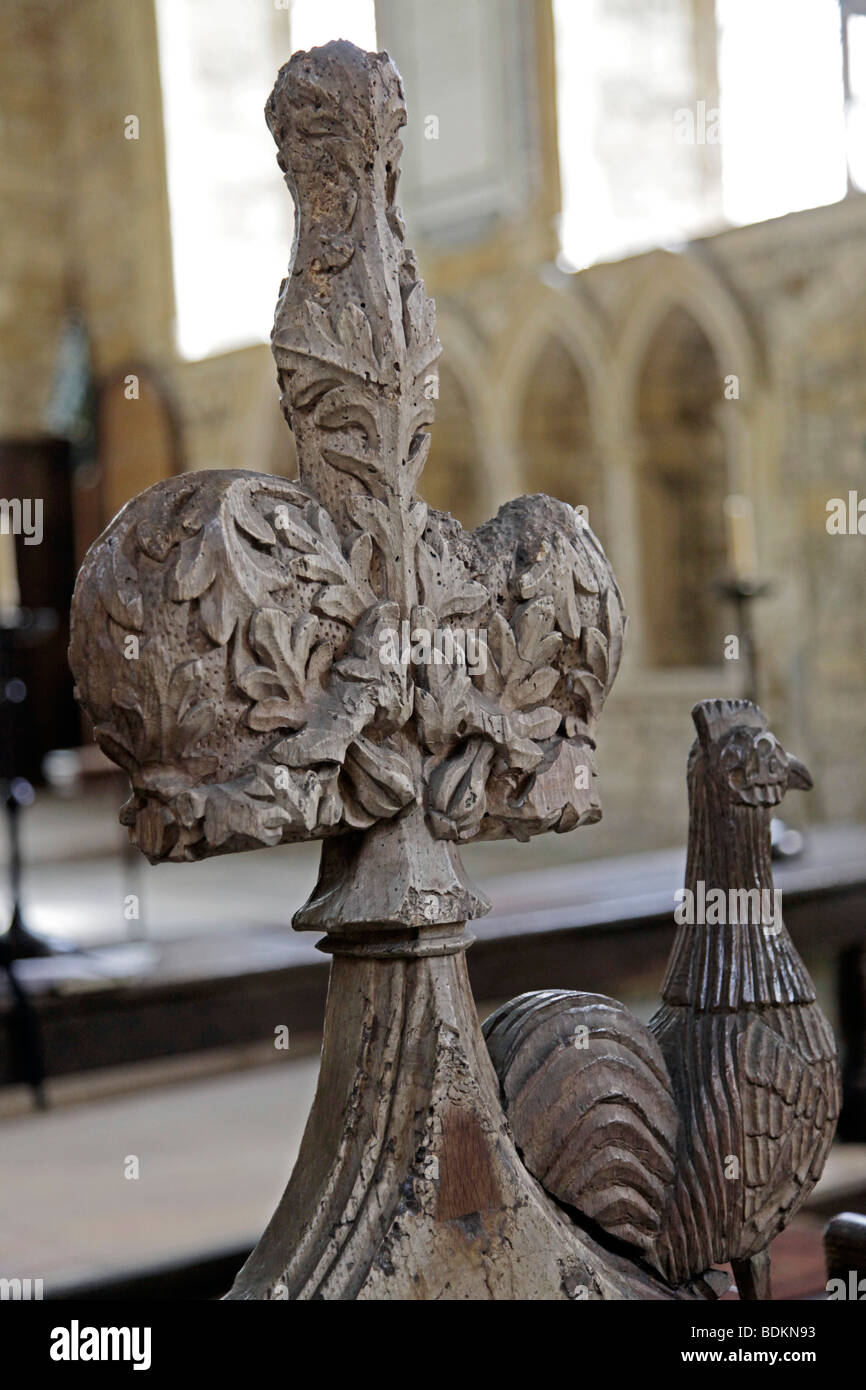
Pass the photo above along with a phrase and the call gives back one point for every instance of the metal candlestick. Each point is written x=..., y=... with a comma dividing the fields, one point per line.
x=786, y=843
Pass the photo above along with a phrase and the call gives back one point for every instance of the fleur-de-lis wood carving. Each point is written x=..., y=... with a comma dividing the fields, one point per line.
x=276, y=661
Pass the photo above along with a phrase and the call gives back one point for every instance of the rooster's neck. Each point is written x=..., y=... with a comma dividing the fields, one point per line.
x=731, y=965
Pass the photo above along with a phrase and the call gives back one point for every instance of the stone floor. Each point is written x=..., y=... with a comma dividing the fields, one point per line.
x=212, y=1155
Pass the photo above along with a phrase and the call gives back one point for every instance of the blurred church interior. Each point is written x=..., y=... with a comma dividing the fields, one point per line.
x=644, y=226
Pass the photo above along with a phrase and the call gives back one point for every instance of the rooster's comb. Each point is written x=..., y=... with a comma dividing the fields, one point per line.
x=713, y=718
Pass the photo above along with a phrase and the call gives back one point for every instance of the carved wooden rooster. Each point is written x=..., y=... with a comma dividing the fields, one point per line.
x=697, y=1138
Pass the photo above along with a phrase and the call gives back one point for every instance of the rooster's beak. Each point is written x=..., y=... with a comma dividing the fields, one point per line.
x=798, y=775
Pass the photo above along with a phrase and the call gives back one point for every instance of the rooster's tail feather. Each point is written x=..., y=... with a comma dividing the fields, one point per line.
x=590, y=1103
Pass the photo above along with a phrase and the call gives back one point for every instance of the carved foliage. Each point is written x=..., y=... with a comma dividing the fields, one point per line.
x=260, y=703
x=312, y=657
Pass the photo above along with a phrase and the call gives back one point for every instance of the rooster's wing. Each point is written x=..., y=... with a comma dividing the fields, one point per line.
x=790, y=1101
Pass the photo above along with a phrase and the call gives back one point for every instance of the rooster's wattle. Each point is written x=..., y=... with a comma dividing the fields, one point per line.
x=696, y=1138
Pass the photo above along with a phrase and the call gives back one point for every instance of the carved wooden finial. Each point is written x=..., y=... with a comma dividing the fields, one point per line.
x=329, y=659
x=275, y=661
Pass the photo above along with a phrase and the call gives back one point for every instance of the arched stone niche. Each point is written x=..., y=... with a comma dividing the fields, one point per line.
x=682, y=481
x=556, y=439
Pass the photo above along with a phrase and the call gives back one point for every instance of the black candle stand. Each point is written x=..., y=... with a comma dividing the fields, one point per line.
x=20, y=628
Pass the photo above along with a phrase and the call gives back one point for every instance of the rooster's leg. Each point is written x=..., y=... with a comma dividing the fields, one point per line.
x=753, y=1276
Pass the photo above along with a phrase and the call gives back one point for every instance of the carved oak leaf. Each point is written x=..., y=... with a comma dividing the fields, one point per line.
x=419, y=314
x=215, y=568
x=585, y=687
x=245, y=809
x=346, y=592
x=161, y=719
x=443, y=581
x=560, y=571
x=362, y=690
x=505, y=707
x=512, y=686
x=443, y=693
x=600, y=655
x=515, y=672
x=259, y=808
x=348, y=600
x=516, y=735
x=364, y=663
x=329, y=731
x=119, y=587
x=371, y=514
x=232, y=811
x=339, y=336
x=284, y=688
x=443, y=707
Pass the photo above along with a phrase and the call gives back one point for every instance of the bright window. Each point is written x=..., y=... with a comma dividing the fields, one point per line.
x=772, y=140
x=315, y=22
x=782, y=106
x=857, y=99
x=231, y=215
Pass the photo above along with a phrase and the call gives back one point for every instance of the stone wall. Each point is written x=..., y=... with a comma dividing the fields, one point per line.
x=782, y=307
x=33, y=267
x=85, y=209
